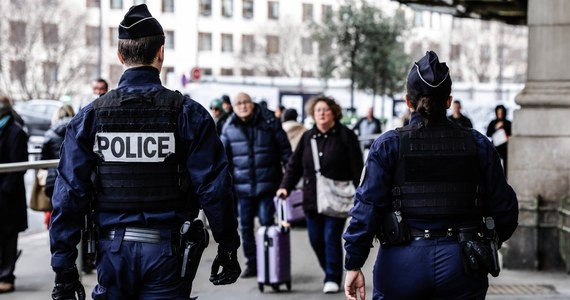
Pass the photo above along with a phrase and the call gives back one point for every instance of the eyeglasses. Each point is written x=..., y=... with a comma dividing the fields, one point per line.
x=246, y=102
x=320, y=110
x=214, y=108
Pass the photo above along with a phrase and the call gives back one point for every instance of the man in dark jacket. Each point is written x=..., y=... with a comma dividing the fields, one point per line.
x=457, y=117
x=13, y=213
x=257, y=149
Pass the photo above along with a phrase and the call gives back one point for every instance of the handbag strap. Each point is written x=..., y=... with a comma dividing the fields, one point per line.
x=316, y=161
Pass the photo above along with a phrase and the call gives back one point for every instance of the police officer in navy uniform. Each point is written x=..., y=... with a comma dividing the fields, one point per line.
x=425, y=191
x=148, y=158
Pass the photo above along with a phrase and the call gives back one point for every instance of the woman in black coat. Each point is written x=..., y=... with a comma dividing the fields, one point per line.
x=340, y=159
x=13, y=212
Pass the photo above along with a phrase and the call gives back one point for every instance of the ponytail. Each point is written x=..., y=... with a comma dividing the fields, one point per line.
x=430, y=108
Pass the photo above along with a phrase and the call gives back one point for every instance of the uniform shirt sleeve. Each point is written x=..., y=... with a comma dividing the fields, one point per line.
x=207, y=166
x=501, y=200
x=372, y=195
x=72, y=189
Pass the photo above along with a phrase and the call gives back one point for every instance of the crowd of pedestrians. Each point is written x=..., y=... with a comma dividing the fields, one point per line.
x=140, y=160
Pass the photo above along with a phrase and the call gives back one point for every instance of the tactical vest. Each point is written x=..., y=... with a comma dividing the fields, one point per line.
x=437, y=174
x=140, y=167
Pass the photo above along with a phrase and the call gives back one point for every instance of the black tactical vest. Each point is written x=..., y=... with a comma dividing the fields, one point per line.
x=437, y=174
x=140, y=167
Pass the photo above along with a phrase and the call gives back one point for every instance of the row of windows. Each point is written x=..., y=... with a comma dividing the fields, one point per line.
x=50, y=34
x=248, y=12
x=167, y=5
x=19, y=69
x=248, y=43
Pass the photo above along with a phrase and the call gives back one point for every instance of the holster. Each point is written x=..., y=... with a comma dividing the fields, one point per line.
x=194, y=239
x=393, y=230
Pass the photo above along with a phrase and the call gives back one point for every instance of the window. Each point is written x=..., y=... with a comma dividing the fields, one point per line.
x=486, y=53
x=307, y=46
x=247, y=72
x=204, y=41
x=116, y=4
x=17, y=32
x=91, y=35
x=419, y=18
x=50, y=34
x=272, y=44
x=273, y=10
x=247, y=43
x=206, y=8
x=455, y=51
x=137, y=2
x=307, y=74
x=206, y=71
x=169, y=39
x=115, y=72
x=247, y=9
x=227, y=42
x=50, y=72
x=168, y=6
x=307, y=12
x=227, y=8
x=113, y=37
x=272, y=73
x=18, y=70
x=92, y=70
x=325, y=46
x=326, y=13
x=92, y=3
x=226, y=72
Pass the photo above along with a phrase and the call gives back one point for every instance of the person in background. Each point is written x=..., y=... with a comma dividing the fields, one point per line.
x=293, y=128
x=218, y=114
x=340, y=159
x=457, y=117
x=500, y=126
x=227, y=104
x=140, y=200
x=368, y=125
x=99, y=87
x=13, y=212
x=424, y=198
x=257, y=149
x=279, y=112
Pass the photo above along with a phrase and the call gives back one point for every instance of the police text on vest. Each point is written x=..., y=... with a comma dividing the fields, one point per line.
x=134, y=146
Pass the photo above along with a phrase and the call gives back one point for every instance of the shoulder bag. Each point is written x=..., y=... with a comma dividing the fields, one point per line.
x=334, y=197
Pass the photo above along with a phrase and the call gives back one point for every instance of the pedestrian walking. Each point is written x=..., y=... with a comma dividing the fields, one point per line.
x=142, y=160
x=258, y=149
x=218, y=113
x=499, y=130
x=425, y=190
x=13, y=212
x=368, y=125
x=340, y=158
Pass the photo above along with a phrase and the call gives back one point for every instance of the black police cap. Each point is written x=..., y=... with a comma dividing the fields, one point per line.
x=430, y=77
x=138, y=23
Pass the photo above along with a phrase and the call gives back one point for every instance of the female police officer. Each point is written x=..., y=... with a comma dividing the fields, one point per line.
x=157, y=160
x=424, y=192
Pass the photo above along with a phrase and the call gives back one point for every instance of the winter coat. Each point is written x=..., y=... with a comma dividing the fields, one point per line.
x=294, y=132
x=257, y=151
x=53, y=139
x=340, y=159
x=13, y=209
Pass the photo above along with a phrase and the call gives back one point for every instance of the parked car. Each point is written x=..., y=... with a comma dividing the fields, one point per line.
x=37, y=114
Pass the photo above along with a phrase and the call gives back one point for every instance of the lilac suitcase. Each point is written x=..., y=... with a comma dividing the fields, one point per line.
x=274, y=254
x=293, y=205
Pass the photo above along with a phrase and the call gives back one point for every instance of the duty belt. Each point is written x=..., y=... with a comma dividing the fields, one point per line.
x=135, y=234
x=426, y=234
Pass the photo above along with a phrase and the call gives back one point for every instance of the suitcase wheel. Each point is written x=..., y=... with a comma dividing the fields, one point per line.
x=288, y=284
x=260, y=285
x=275, y=287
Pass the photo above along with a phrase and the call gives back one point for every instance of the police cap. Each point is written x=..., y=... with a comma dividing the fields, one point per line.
x=138, y=23
x=430, y=77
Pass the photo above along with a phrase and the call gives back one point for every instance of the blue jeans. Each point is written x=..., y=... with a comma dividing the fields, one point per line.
x=248, y=208
x=325, y=235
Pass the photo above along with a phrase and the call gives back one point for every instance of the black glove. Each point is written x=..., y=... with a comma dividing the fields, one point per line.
x=67, y=285
x=477, y=257
x=231, y=269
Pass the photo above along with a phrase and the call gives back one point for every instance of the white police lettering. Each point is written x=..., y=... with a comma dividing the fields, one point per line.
x=134, y=146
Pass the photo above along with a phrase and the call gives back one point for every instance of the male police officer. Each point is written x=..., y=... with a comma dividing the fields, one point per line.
x=156, y=158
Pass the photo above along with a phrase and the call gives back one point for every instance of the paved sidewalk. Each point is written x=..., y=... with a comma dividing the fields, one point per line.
x=35, y=278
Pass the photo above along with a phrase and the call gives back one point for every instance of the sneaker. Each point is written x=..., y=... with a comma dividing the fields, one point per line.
x=331, y=287
x=6, y=287
x=250, y=271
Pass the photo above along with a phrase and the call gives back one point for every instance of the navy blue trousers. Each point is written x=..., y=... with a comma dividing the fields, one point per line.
x=248, y=208
x=425, y=269
x=135, y=270
x=325, y=235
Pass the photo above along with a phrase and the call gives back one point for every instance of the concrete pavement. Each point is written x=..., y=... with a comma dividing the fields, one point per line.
x=35, y=278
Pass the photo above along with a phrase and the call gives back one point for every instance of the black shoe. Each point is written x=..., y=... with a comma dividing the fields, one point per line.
x=250, y=271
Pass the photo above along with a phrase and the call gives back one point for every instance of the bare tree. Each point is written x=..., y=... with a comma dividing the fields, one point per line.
x=42, y=48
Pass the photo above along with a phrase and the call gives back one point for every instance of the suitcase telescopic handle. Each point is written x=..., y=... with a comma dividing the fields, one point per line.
x=282, y=215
